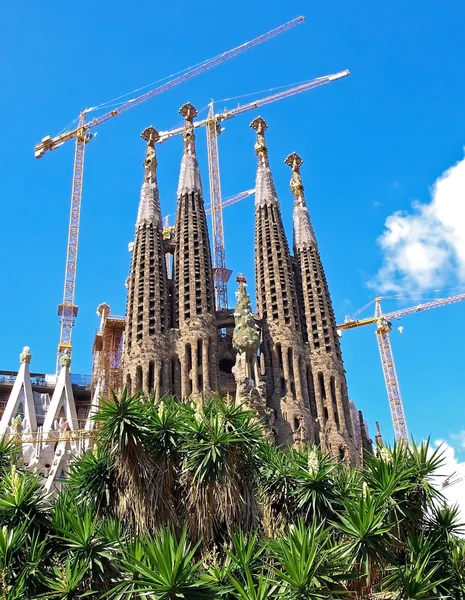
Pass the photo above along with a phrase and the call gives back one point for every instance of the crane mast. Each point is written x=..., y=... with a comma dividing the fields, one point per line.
x=221, y=274
x=383, y=322
x=391, y=381
x=67, y=310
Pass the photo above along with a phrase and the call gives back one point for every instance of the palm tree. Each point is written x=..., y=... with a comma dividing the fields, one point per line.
x=366, y=539
x=123, y=433
x=184, y=500
x=219, y=460
x=91, y=481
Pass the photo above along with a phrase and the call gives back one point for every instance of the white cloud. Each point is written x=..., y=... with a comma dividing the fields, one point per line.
x=459, y=439
x=453, y=468
x=425, y=248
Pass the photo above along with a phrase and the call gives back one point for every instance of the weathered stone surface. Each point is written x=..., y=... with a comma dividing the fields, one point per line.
x=334, y=416
x=284, y=362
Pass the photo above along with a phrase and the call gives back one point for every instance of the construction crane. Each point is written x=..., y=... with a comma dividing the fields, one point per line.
x=67, y=310
x=213, y=129
x=232, y=200
x=383, y=322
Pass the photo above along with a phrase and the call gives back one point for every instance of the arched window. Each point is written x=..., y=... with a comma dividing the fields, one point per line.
x=139, y=378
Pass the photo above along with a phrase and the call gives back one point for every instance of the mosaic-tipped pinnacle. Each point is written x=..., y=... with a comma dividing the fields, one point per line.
x=259, y=125
x=188, y=111
x=150, y=134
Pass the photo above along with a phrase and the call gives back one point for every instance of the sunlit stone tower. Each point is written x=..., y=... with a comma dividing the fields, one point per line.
x=194, y=307
x=285, y=359
x=319, y=329
x=146, y=353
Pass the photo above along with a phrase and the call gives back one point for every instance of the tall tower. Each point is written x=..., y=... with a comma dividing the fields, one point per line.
x=193, y=277
x=332, y=402
x=286, y=365
x=145, y=361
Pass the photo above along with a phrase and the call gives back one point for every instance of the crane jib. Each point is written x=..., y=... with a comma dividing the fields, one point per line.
x=68, y=309
x=209, y=64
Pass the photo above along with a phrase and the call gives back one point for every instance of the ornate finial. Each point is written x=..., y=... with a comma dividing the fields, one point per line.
x=25, y=356
x=189, y=112
x=65, y=359
x=103, y=310
x=150, y=135
x=260, y=126
x=297, y=187
x=241, y=279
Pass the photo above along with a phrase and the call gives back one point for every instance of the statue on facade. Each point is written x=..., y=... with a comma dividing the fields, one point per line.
x=250, y=389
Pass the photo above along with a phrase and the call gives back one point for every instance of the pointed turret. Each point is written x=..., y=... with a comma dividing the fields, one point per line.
x=193, y=276
x=21, y=401
x=283, y=351
x=319, y=324
x=146, y=365
x=149, y=205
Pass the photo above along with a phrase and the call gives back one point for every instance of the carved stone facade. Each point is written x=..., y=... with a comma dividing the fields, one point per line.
x=333, y=412
x=145, y=358
x=284, y=362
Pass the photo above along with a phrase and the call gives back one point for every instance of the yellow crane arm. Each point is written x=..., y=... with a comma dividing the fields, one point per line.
x=398, y=314
x=48, y=143
x=383, y=327
x=229, y=114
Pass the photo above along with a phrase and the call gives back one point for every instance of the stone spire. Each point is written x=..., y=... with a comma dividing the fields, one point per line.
x=146, y=365
x=189, y=176
x=319, y=323
x=265, y=191
x=193, y=276
x=285, y=366
x=303, y=228
x=149, y=205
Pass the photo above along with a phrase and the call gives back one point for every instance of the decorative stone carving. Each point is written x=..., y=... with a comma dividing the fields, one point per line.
x=25, y=356
x=65, y=360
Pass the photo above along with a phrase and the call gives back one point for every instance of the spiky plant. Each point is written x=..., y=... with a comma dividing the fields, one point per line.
x=123, y=432
x=82, y=537
x=219, y=459
x=277, y=485
x=316, y=492
x=162, y=567
x=419, y=575
x=22, y=501
x=366, y=540
x=307, y=564
x=92, y=480
x=168, y=419
x=9, y=453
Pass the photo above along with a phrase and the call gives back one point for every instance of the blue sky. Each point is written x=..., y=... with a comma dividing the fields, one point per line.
x=372, y=145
